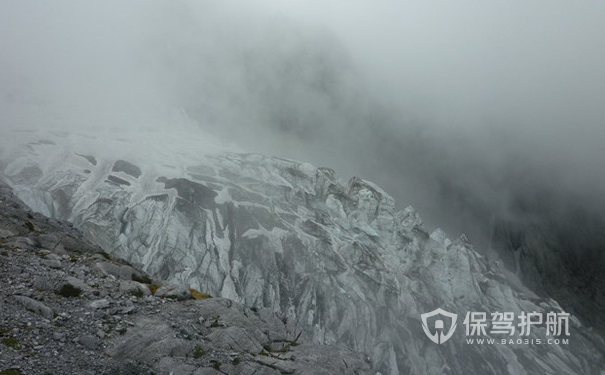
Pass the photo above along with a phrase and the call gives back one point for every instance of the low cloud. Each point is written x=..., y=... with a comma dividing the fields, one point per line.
x=462, y=110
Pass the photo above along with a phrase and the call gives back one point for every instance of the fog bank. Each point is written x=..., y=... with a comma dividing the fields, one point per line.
x=462, y=110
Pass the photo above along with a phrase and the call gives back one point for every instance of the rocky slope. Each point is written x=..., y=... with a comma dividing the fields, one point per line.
x=66, y=307
x=336, y=259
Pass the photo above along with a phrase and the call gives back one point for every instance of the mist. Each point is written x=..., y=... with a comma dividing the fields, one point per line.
x=467, y=110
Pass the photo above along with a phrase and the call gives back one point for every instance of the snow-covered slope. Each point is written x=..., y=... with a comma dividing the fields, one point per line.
x=337, y=258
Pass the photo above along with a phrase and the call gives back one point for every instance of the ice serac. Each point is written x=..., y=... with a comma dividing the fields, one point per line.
x=337, y=258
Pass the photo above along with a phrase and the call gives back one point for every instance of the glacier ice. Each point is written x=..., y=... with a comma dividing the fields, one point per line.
x=337, y=258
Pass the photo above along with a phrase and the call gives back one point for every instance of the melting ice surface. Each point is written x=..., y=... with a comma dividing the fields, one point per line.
x=336, y=258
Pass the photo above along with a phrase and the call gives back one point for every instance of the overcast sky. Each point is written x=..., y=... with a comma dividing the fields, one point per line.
x=456, y=108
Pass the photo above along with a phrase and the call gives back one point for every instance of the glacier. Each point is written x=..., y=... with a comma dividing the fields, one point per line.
x=337, y=258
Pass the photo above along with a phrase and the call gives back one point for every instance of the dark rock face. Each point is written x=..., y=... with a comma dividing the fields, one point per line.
x=562, y=259
x=126, y=167
x=192, y=193
x=336, y=260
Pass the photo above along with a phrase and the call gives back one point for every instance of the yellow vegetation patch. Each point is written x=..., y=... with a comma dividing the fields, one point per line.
x=196, y=294
x=153, y=288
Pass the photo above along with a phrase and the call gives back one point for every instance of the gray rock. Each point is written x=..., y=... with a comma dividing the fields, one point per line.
x=119, y=271
x=20, y=242
x=149, y=339
x=42, y=283
x=77, y=245
x=220, y=311
x=174, y=292
x=4, y=233
x=125, y=272
x=274, y=327
x=126, y=307
x=134, y=288
x=99, y=304
x=254, y=368
x=236, y=338
x=51, y=242
x=77, y=283
x=348, y=361
x=89, y=342
x=53, y=256
x=277, y=346
x=174, y=366
x=106, y=269
x=35, y=306
x=60, y=336
x=208, y=371
x=52, y=263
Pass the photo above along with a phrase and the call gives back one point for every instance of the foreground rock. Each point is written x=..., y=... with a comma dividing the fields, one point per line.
x=85, y=313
